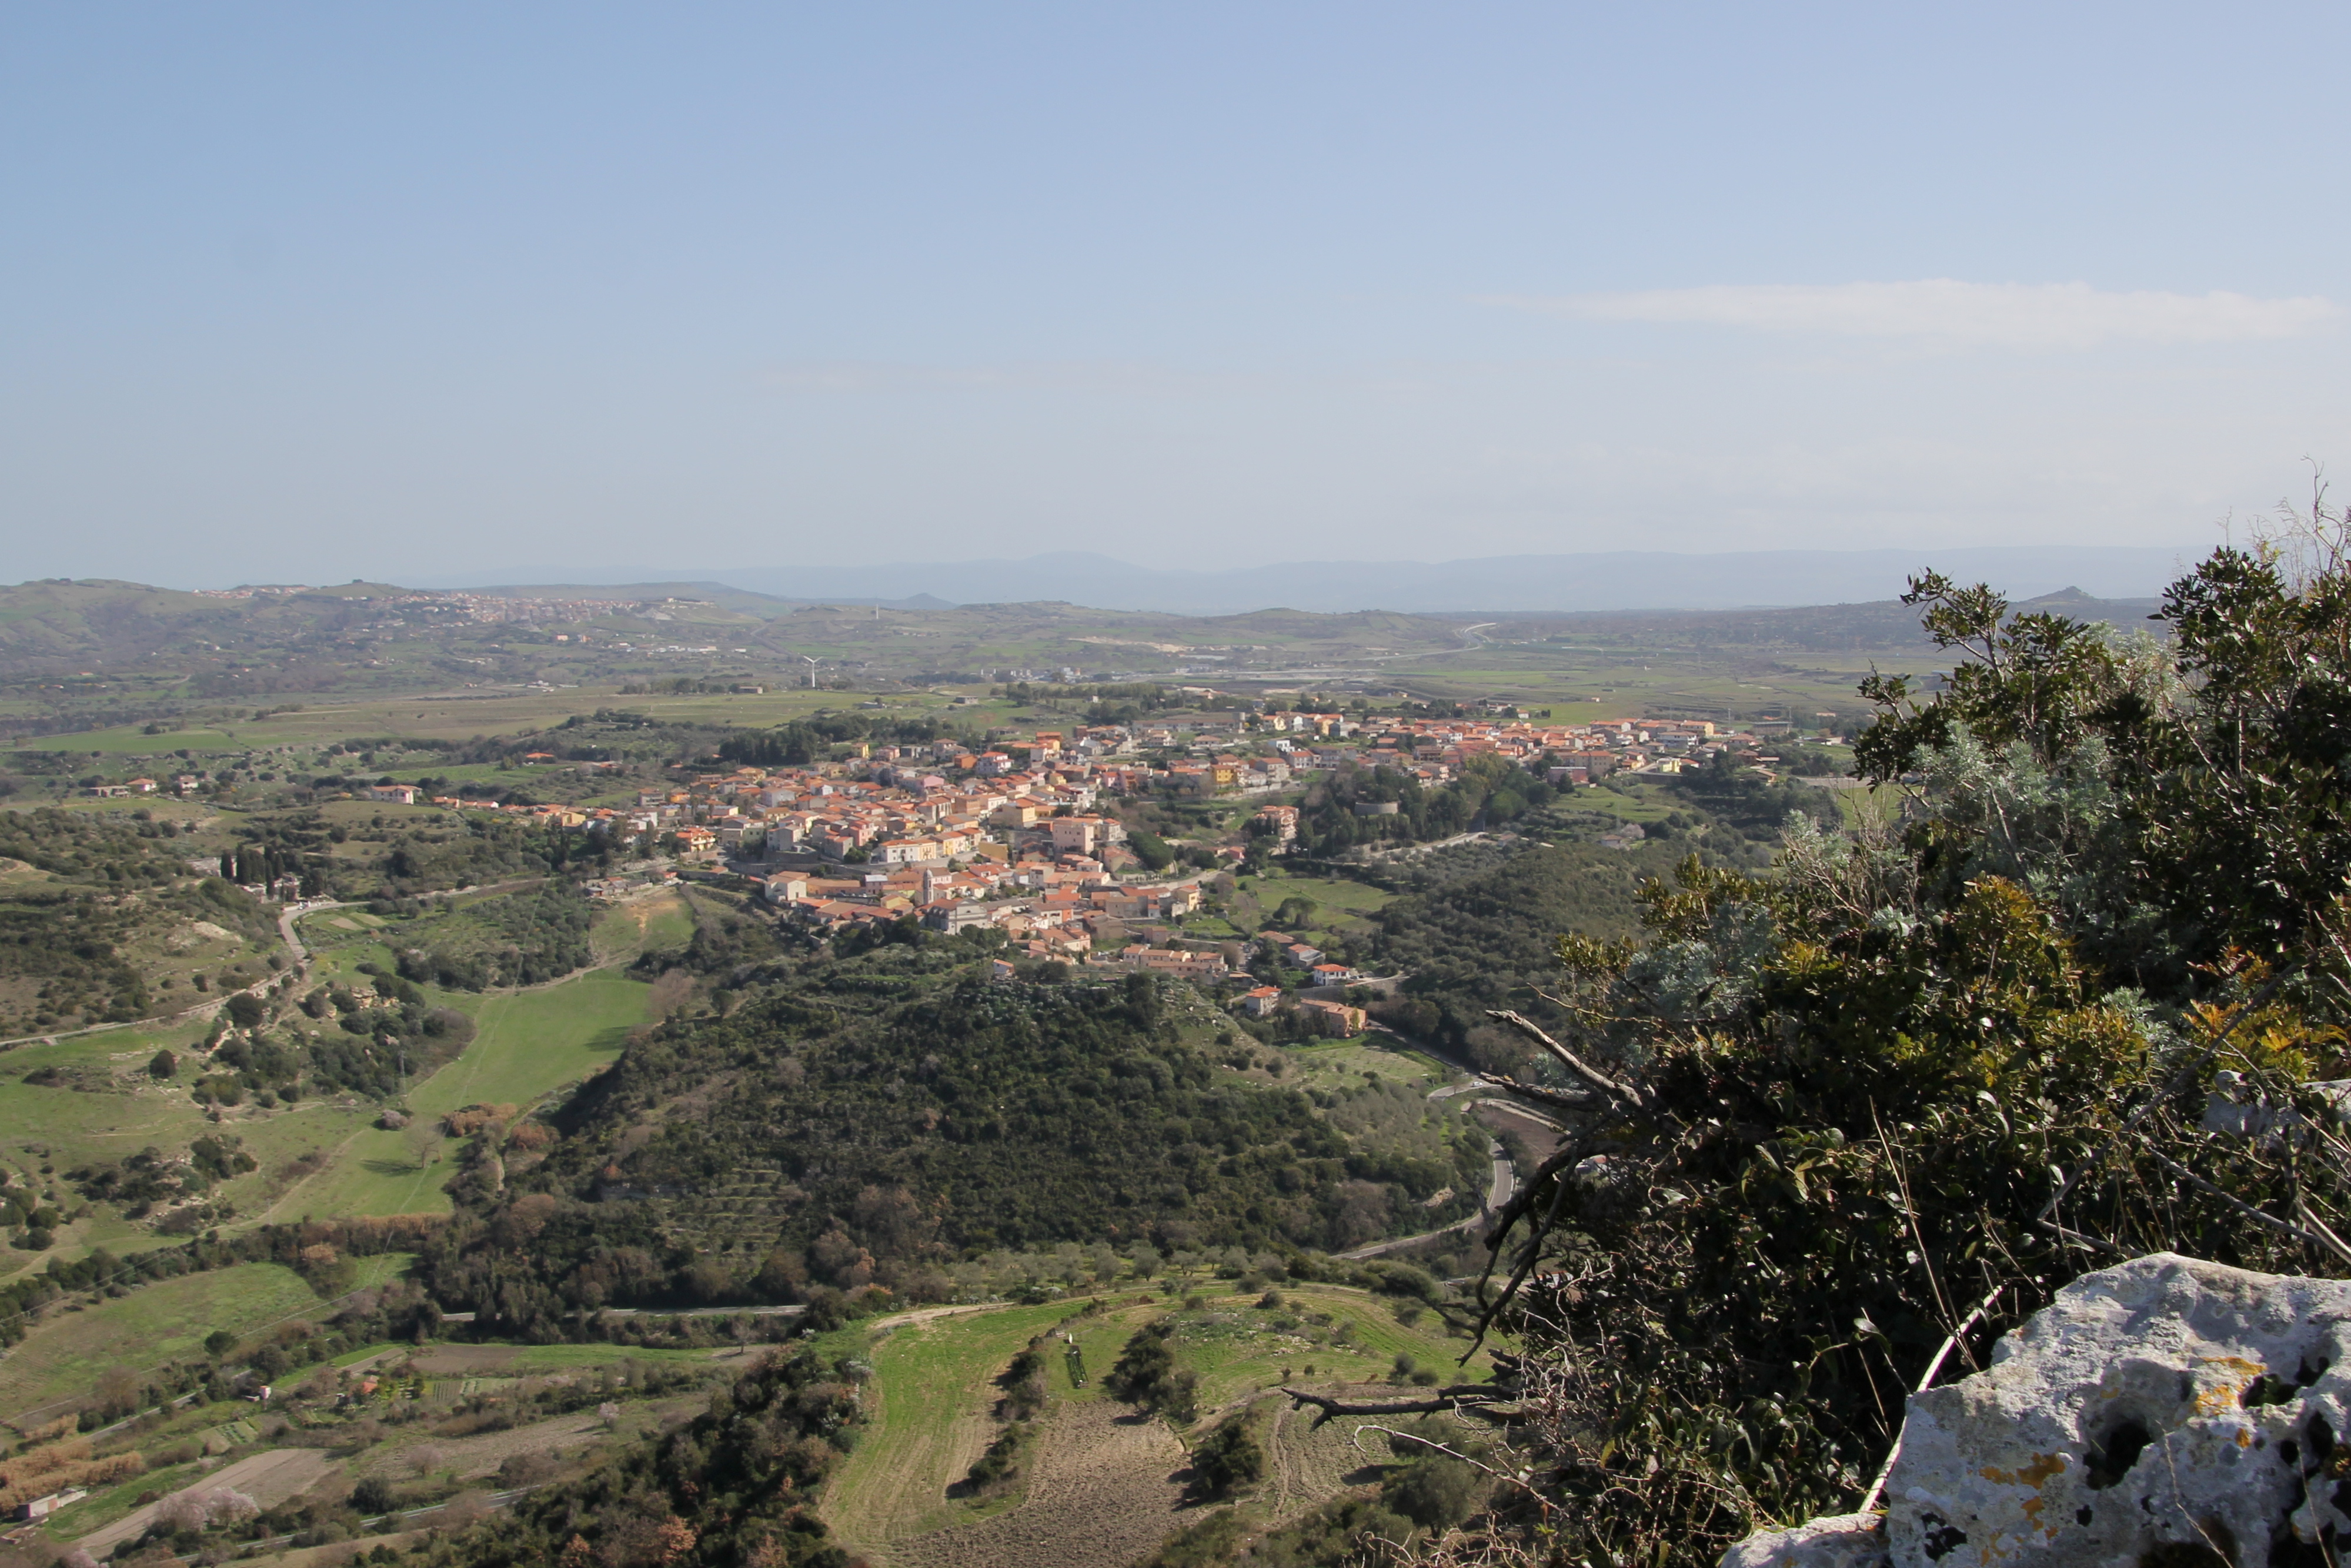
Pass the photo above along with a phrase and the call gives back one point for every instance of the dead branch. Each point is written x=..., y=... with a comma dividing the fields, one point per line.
x=1538, y=1093
x=1927, y=1381
x=2258, y=1216
x=1626, y=1092
x=2065, y=1233
x=1473, y=1397
x=1519, y=1480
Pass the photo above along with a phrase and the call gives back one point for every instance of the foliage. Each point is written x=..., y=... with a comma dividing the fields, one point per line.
x=1491, y=791
x=866, y=1120
x=1947, y=1064
x=803, y=741
x=70, y=943
x=1487, y=941
x=522, y=939
x=1146, y=1375
x=736, y=1485
x=1229, y=1458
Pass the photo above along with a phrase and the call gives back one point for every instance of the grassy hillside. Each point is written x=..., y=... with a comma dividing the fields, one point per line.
x=102, y=921
x=527, y=1047
x=66, y=1357
x=937, y=1384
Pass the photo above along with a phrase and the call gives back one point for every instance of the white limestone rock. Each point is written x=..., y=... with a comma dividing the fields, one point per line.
x=2165, y=1412
x=1848, y=1541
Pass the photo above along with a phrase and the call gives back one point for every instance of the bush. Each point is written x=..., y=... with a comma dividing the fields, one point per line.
x=1147, y=1378
x=1227, y=1458
x=1435, y=1492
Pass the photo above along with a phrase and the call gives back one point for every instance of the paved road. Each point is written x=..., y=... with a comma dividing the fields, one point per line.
x=1504, y=1181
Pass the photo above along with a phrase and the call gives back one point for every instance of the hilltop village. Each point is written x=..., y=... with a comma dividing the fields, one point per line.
x=1023, y=837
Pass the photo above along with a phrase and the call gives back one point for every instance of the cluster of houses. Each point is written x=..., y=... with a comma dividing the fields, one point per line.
x=1435, y=750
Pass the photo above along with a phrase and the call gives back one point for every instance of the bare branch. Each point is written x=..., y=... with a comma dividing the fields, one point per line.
x=1572, y=1063
x=1470, y=1396
x=1517, y=1481
x=2064, y=1233
x=1538, y=1093
x=1877, y=1486
x=2258, y=1216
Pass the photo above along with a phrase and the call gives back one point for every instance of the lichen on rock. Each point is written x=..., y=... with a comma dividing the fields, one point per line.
x=2166, y=1411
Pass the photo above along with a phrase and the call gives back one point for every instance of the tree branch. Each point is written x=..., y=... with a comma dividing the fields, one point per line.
x=1572, y=1063
x=2258, y=1216
x=1470, y=1396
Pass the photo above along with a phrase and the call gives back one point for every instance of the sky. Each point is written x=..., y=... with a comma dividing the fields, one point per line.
x=304, y=293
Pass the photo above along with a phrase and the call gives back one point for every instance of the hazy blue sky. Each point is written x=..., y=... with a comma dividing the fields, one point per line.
x=304, y=292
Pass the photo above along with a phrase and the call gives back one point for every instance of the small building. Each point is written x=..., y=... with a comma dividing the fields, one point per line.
x=1334, y=1019
x=1278, y=822
x=400, y=794
x=42, y=1506
x=1260, y=1001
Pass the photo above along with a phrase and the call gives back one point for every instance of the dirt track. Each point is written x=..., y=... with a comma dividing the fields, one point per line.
x=1102, y=1495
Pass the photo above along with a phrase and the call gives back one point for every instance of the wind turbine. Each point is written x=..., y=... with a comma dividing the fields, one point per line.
x=812, y=665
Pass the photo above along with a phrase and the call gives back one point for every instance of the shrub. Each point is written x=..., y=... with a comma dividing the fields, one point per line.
x=1227, y=1458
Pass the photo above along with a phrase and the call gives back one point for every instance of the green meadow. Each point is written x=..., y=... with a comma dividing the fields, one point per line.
x=527, y=1045
x=65, y=1357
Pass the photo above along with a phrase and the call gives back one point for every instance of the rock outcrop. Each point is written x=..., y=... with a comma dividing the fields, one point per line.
x=2164, y=1414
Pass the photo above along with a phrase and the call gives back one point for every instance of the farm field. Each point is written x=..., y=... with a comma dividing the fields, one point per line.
x=64, y=1358
x=1339, y=905
x=1334, y=1063
x=527, y=1045
x=658, y=922
x=1585, y=684
x=441, y=714
x=1100, y=1487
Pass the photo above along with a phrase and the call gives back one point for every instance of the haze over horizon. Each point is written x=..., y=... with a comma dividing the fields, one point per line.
x=567, y=292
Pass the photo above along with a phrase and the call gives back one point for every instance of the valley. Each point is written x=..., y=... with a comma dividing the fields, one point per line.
x=1064, y=1117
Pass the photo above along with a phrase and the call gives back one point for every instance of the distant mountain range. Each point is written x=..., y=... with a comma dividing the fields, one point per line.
x=1621, y=579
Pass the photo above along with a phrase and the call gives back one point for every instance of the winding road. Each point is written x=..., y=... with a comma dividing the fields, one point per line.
x=1498, y=1191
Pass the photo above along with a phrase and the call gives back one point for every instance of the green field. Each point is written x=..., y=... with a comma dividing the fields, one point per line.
x=64, y=1357
x=65, y=1128
x=659, y=921
x=444, y=716
x=529, y=1044
x=1341, y=908
x=1334, y=1063
x=935, y=1383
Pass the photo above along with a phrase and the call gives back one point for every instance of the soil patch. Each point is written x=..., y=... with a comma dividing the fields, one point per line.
x=1103, y=1493
x=465, y=1360
x=268, y=1479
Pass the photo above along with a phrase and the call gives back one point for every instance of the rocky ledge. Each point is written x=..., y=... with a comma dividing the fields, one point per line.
x=2167, y=1412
